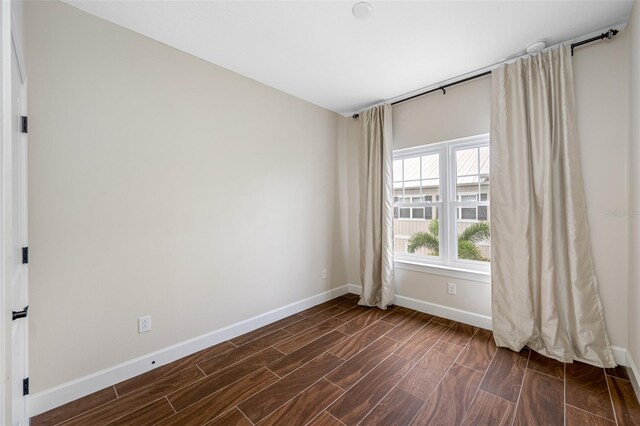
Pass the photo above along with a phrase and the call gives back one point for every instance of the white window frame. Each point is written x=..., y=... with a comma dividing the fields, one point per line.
x=448, y=206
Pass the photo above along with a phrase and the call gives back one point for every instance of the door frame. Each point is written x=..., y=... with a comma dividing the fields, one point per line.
x=10, y=40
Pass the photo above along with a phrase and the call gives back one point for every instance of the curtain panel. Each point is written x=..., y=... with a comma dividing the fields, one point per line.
x=376, y=207
x=544, y=287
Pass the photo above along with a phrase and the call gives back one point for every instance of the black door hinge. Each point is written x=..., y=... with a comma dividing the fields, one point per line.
x=25, y=254
x=25, y=386
x=25, y=128
x=19, y=314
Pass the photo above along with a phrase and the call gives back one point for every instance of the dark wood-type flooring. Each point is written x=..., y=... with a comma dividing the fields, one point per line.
x=341, y=364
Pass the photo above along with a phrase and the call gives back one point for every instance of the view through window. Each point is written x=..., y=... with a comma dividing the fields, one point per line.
x=441, y=203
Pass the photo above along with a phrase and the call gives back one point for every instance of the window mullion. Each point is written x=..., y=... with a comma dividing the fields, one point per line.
x=452, y=201
x=444, y=198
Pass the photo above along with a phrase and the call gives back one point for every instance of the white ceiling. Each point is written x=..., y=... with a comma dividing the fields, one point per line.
x=317, y=50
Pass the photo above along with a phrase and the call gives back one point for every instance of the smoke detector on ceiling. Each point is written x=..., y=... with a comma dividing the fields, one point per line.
x=362, y=10
x=536, y=47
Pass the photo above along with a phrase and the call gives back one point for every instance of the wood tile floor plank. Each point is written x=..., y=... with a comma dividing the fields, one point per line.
x=506, y=373
x=478, y=354
x=542, y=364
x=308, y=322
x=231, y=418
x=354, y=405
x=361, y=340
x=625, y=402
x=347, y=304
x=188, y=395
x=423, y=379
x=73, y=408
x=452, y=398
x=408, y=328
x=399, y=315
x=325, y=419
x=358, y=366
x=295, y=359
x=267, y=329
x=142, y=380
x=541, y=400
x=421, y=342
x=397, y=409
x=147, y=415
x=444, y=321
x=265, y=402
x=314, y=310
x=241, y=352
x=490, y=410
x=308, y=336
x=218, y=403
x=352, y=313
x=305, y=406
x=619, y=371
x=459, y=334
x=578, y=417
x=120, y=407
x=587, y=389
x=362, y=321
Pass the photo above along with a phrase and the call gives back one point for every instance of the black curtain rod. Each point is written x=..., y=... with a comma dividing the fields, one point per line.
x=608, y=35
x=443, y=88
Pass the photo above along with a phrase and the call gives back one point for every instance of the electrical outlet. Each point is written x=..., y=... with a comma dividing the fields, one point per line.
x=144, y=324
x=451, y=288
x=324, y=273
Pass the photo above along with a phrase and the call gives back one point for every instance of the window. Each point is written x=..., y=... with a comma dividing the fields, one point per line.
x=472, y=213
x=441, y=204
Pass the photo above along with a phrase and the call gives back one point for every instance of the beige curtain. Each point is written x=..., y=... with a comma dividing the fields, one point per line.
x=376, y=207
x=544, y=288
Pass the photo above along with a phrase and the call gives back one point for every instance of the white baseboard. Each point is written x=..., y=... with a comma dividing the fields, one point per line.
x=59, y=395
x=620, y=355
x=635, y=375
x=466, y=317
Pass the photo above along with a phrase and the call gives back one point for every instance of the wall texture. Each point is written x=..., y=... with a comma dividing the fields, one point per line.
x=165, y=186
x=634, y=178
x=601, y=79
x=602, y=99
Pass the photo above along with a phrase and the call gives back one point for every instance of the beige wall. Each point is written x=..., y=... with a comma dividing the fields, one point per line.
x=601, y=74
x=634, y=162
x=163, y=185
x=602, y=99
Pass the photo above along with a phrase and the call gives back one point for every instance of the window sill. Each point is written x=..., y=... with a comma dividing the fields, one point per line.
x=445, y=271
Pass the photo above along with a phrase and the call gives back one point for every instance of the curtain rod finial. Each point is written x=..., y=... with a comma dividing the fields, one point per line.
x=355, y=116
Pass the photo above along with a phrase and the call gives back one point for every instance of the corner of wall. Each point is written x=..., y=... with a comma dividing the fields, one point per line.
x=633, y=311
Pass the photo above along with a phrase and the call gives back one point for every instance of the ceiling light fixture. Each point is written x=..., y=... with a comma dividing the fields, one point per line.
x=362, y=10
x=536, y=47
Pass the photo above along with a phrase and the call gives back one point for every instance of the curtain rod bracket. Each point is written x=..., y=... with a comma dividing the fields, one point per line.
x=444, y=91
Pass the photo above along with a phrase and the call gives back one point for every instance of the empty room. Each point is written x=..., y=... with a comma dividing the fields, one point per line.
x=324, y=213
